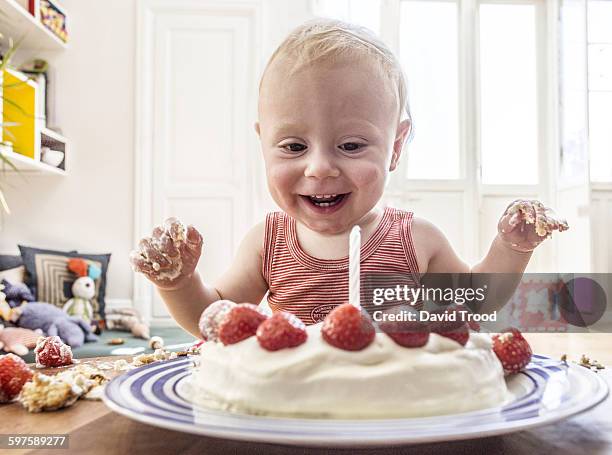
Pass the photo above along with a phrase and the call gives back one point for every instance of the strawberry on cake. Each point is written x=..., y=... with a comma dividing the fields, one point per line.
x=345, y=368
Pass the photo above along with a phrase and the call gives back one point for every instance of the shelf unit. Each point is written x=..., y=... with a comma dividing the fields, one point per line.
x=29, y=134
x=28, y=165
x=17, y=23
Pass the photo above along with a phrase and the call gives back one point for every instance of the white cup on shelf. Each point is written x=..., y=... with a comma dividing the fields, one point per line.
x=51, y=157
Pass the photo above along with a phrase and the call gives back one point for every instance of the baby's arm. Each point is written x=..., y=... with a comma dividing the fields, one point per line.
x=441, y=263
x=181, y=287
x=522, y=227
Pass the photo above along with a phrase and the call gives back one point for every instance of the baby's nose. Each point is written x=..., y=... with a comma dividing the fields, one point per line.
x=321, y=165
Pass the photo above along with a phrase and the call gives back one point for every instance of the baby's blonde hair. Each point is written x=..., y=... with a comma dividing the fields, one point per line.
x=329, y=40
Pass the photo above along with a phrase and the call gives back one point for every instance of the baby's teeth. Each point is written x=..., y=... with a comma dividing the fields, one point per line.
x=324, y=196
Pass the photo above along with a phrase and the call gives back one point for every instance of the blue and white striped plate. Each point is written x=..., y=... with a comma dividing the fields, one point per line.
x=545, y=392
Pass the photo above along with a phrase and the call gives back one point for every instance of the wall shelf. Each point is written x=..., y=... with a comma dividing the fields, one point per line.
x=17, y=23
x=28, y=165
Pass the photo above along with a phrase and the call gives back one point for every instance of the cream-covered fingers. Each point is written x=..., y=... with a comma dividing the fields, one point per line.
x=527, y=223
x=169, y=255
x=175, y=229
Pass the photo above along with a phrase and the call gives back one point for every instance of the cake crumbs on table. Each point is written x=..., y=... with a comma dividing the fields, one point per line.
x=115, y=341
x=585, y=362
x=52, y=392
x=591, y=364
x=84, y=380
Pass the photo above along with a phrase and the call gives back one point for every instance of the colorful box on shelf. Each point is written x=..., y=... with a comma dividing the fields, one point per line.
x=25, y=129
x=19, y=108
x=17, y=23
x=51, y=15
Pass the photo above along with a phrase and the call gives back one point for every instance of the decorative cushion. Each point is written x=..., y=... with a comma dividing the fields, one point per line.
x=16, y=275
x=9, y=261
x=48, y=276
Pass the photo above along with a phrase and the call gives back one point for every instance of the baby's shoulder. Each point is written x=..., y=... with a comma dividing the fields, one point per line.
x=255, y=236
x=424, y=231
x=410, y=221
x=251, y=246
x=426, y=238
x=424, y=226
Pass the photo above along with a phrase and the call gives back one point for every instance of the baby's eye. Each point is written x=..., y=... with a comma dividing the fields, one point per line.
x=295, y=147
x=351, y=146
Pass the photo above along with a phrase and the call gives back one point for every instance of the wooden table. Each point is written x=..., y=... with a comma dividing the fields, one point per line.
x=93, y=428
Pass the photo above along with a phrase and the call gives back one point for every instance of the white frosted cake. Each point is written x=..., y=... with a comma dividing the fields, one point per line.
x=382, y=380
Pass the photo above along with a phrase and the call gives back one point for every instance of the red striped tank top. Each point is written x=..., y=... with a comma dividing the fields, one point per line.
x=310, y=287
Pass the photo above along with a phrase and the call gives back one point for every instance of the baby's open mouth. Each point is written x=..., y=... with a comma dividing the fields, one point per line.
x=325, y=200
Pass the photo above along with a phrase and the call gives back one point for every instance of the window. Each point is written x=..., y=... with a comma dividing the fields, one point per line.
x=429, y=55
x=508, y=94
x=429, y=37
x=362, y=12
x=600, y=89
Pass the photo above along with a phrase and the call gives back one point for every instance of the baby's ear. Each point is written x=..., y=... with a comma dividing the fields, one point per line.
x=256, y=126
x=400, y=139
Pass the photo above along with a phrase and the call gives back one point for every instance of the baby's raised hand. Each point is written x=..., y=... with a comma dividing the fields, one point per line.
x=526, y=224
x=170, y=255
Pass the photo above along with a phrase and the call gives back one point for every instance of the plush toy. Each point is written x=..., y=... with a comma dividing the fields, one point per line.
x=83, y=289
x=127, y=319
x=5, y=309
x=18, y=340
x=17, y=293
x=7, y=313
x=52, y=320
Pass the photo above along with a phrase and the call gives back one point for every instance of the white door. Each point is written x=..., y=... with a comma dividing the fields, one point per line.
x=196, y=151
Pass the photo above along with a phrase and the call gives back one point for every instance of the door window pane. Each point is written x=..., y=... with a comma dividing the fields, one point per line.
x=600, y=89
x=600, y=66
x=429, y=56
x=600, y=136
x=366, y=13
x=573, y=96
x=509, y=121
x=600, y=21
x=362, y=12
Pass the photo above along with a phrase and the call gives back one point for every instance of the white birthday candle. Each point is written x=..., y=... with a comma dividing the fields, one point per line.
x=354, y=270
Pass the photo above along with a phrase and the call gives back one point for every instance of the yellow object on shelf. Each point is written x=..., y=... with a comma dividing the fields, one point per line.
x=19, y=111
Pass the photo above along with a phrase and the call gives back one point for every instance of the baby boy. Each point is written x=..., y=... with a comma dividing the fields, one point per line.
x=333, y=120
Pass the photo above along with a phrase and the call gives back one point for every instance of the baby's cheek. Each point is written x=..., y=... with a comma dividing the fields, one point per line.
x=277, y=171
x=280, y=176
x=369, y=175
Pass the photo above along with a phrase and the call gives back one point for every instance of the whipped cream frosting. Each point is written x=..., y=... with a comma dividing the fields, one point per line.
x=382, y=381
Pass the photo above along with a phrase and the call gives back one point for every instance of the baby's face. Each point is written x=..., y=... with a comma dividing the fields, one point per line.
x=330, y=136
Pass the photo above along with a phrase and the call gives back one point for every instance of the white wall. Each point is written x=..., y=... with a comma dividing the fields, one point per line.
x=91, y=209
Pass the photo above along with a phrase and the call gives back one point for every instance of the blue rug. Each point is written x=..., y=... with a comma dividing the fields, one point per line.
x=170, y=335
